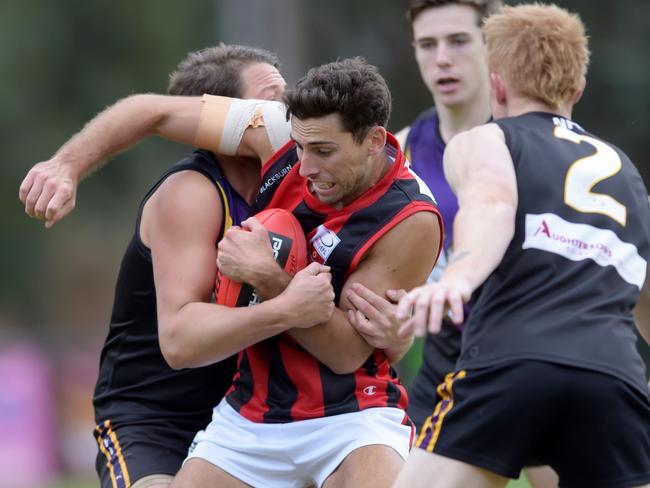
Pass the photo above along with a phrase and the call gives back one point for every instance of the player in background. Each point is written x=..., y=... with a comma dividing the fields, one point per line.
x=357, y=203
x=147, y=412
x=551, y=241
x=450, y=53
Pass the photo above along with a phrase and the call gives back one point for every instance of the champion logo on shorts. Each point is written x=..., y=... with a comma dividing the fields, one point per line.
x=370, y=390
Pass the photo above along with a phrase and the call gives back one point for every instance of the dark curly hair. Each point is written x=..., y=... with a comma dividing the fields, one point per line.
x=352, y=88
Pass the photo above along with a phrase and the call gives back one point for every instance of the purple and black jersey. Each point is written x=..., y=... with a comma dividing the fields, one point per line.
x=424, y=149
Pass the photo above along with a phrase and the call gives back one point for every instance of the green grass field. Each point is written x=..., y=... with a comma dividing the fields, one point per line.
x=522, y=482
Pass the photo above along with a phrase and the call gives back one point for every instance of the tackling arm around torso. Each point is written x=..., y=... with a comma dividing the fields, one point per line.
x=180, y=224
x=402, y=258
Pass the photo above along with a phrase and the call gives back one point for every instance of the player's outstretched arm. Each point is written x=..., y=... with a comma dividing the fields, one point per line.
x=479, y=168
x=336, y=343
x=49, y=188
x=232, y=127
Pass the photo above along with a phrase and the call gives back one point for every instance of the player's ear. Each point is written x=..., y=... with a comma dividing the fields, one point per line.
x=581, y=89
x=376, y=139
x=498, y=88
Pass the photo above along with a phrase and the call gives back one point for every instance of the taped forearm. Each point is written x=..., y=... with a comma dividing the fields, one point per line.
x=224, y=121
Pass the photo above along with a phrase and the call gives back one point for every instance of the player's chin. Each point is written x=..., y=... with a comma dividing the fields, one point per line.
x=329, y=196
x=452, y=98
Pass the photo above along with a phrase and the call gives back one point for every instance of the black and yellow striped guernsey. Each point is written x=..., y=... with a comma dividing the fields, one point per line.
x=139, y=400
x=565, y=289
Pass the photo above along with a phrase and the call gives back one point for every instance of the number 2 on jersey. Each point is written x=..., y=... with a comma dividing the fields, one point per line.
x=586, y=172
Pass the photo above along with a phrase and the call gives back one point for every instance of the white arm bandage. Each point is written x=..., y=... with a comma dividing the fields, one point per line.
x=224, y=120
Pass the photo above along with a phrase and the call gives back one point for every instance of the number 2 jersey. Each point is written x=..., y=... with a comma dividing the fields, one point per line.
x=565, y=289
x=277, y=380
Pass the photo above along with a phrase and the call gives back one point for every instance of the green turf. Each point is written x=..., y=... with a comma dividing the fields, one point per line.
x=522, y=482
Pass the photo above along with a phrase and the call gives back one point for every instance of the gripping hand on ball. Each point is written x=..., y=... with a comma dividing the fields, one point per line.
x=245, y=255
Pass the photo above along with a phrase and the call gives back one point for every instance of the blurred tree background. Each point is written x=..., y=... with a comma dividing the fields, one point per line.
x=63, y=61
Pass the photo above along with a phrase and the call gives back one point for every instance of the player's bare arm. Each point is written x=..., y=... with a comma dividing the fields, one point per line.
x=49, y=189
x=181, y=229
x=479, y=168
x=336, y=343
x=253, y=129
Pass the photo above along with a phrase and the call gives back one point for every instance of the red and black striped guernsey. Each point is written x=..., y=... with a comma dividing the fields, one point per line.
x=278, y=381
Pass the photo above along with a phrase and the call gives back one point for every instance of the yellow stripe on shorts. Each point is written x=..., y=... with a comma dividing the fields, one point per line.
x=110, y=447
x=431, y=428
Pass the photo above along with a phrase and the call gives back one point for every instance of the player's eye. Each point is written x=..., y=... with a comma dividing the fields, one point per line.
x=458, y=41
x=426, y=44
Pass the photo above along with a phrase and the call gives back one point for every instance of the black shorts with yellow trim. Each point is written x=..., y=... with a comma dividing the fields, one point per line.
x=135, y=450
x=592, y=428
x=439, y=356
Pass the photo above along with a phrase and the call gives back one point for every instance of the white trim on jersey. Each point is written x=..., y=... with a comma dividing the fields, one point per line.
x=424, y=188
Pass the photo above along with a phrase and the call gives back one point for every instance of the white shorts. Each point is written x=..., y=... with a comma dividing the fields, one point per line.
x=295, y=454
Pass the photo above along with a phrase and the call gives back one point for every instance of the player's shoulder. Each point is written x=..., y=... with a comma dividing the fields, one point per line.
x=185, y=208
x=186, y=195
x=415, y=232
x=486, y=133
x=187, y=180
x=475, y=151
x=416, y=225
